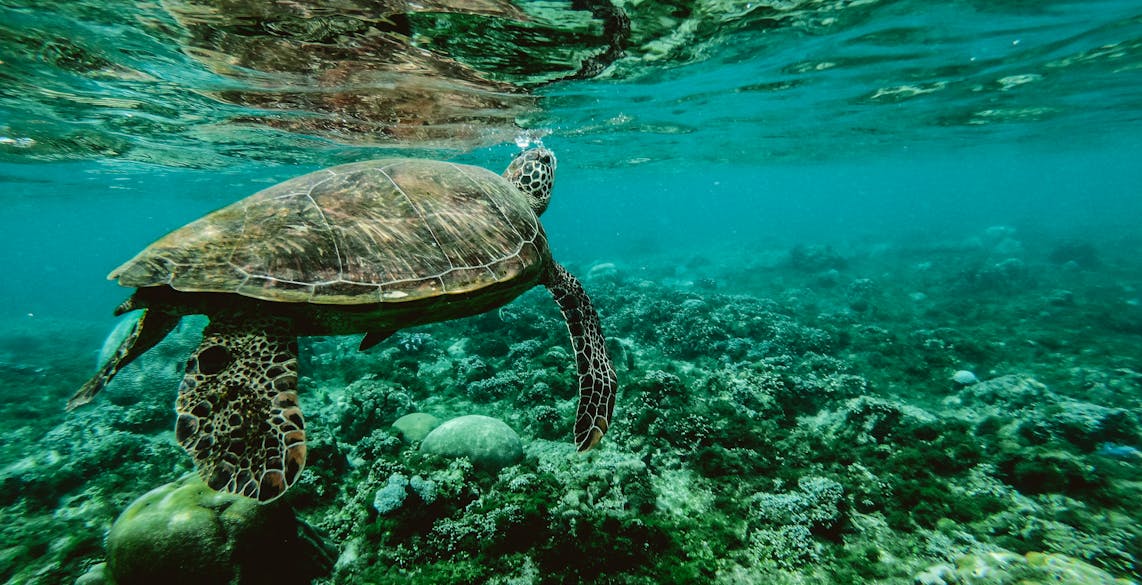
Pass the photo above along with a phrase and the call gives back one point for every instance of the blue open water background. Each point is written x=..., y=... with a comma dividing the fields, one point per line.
x=902, y=119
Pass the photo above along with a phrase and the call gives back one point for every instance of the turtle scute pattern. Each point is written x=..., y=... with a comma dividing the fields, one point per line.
x=388, y=230
x=238, y=412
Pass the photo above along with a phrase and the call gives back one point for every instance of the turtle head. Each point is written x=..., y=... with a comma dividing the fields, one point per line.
x=533, y=172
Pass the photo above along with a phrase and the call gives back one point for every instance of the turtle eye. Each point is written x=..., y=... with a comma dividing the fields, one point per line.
x=548, y=159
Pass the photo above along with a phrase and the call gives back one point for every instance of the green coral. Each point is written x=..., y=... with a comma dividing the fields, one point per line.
x=186, y=533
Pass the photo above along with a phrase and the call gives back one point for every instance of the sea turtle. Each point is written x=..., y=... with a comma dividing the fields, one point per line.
x=368, y=247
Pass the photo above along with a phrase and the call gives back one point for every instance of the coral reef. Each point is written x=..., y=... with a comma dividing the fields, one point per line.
x=935, y=415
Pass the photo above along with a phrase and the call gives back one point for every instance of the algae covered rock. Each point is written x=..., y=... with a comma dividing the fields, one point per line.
x=1008, y=392
x=488, y=442
x=415, y=427
x=95, y=575
x=186, y=533
x=1001, y=567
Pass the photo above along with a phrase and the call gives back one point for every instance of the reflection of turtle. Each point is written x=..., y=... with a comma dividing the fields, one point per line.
x=353, y=74
x=367, y=247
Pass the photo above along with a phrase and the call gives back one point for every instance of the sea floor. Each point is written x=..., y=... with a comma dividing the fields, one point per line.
x=883, y=412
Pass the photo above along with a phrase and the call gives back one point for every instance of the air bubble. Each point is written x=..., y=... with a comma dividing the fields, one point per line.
x=528, y=138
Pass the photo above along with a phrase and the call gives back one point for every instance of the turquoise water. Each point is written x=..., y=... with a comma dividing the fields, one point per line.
x=797, y=219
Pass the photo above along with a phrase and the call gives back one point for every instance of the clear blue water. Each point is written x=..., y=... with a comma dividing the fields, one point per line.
x=817, y=123
x=724, y=134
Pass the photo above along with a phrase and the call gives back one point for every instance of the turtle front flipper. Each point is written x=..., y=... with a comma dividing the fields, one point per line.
x=238, y=413
x=372, y=338
x=149, y=330
x=597, y=379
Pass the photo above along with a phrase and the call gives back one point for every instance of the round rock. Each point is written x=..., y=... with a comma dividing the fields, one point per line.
x=416, y=426
x=488, y=442
x=964, y=378
x=184, y=533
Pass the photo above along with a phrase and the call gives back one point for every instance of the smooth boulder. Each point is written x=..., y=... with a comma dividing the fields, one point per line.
x=488, y=442
x=186, y=533
x=415, y=427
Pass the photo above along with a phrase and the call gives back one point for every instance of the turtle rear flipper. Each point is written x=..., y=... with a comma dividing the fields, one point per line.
x=596, y=374
x=238, y=412
x=148, y=331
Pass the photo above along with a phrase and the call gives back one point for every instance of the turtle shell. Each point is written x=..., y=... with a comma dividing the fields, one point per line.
x=390, y=230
